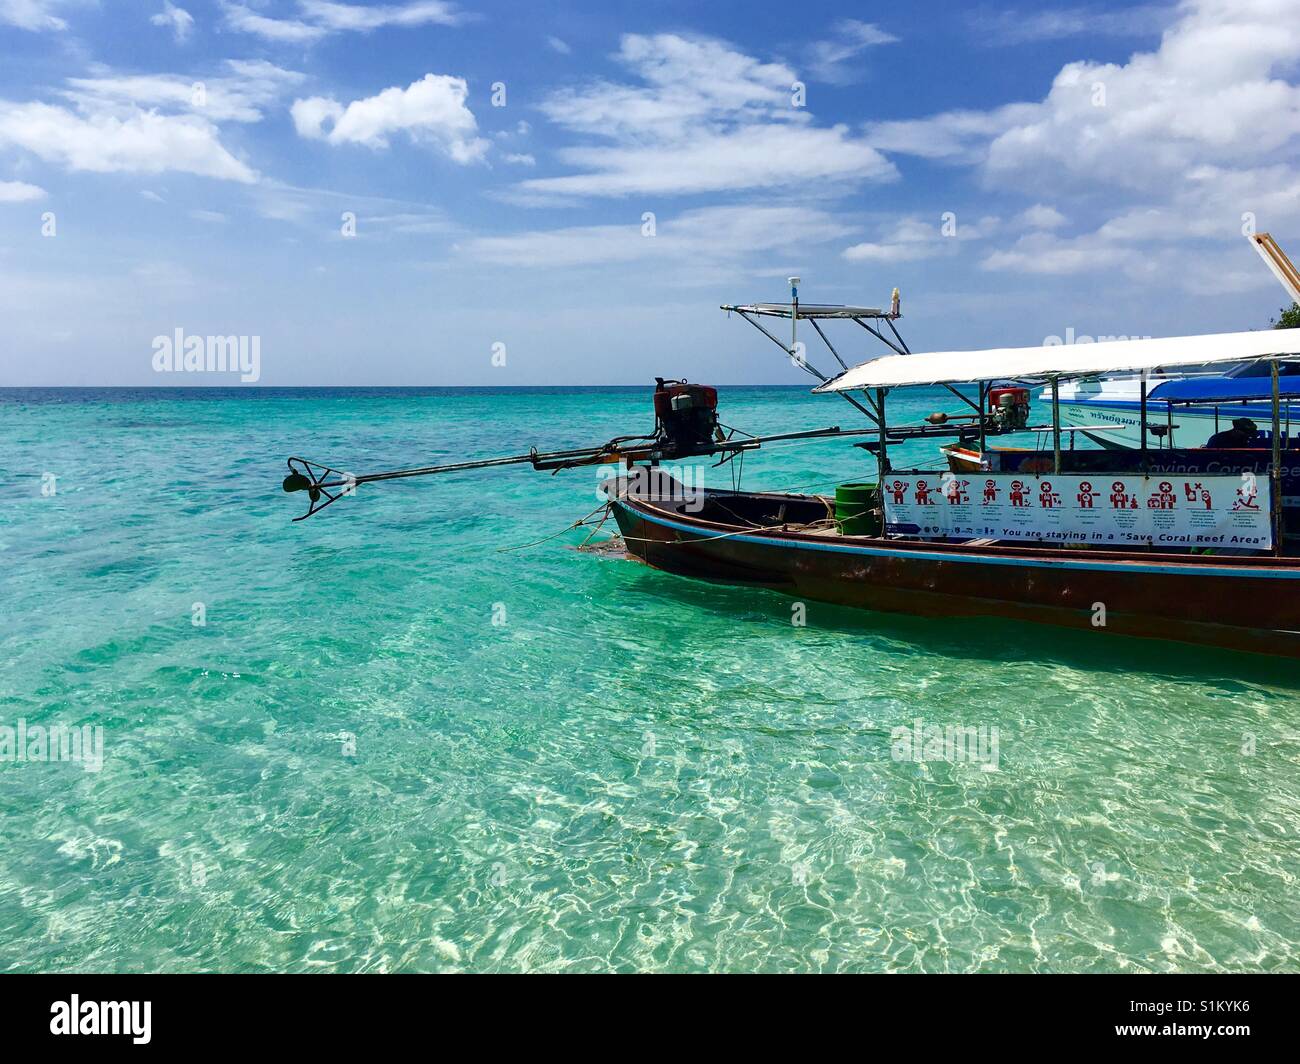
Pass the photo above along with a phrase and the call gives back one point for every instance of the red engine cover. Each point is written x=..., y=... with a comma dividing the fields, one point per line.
x=701, y=396
x=1019, y=396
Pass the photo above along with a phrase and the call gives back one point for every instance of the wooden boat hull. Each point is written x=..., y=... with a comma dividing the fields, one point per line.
x=1240, y=603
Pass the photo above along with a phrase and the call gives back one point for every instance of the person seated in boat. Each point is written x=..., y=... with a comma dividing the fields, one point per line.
x=1244, y=433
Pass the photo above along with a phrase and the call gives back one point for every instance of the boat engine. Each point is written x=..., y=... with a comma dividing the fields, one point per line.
x=686, y=417
x=1010, y=408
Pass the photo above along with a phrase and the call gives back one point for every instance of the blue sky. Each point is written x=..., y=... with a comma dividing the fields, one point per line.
x=1094, y=165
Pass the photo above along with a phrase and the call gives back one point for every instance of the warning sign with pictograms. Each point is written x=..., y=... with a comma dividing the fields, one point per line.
x=1106, y=508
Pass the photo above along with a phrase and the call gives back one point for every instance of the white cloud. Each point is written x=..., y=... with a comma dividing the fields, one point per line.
x=322, y=17
x=178, y=19
x=410, y=223
x=760, y=156
x=1213, y=272
x=320, y=208
x=1047, y=253
x=869, y=251
x=144, y=142
x=704, y=234
x=687, y=81
x=239, y=96
x=19, y=192
x=954, y=136
x=914, y=238
x=558, y=45
x=148, y=123
x=705, y=118
x=1040, y=216
x=338, y=16
x=286, y=204
x=288, y=31
x=311, y=114
x=1210, y=94
x=828, y=59
x=1192, y=242
x=1021, y=27
x=520, y=159
x=35, y=15
x=431, y=110
x=1180, y=144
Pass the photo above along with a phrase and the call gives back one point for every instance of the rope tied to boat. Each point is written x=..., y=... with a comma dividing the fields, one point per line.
x=568, y=528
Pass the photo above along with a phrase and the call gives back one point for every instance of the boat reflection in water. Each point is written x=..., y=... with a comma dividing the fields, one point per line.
x=789, y=543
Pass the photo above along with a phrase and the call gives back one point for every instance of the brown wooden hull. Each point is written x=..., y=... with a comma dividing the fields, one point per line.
x=1241, y=603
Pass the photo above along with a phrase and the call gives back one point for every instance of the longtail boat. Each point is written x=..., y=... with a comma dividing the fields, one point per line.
x=1200, y=552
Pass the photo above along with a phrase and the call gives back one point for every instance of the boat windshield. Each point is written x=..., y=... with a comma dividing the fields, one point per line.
x=1260, y=369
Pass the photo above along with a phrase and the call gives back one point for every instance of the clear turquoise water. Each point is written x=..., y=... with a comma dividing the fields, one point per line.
x=634, y=772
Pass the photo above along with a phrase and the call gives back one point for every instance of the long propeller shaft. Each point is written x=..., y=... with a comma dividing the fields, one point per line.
x=324, y=484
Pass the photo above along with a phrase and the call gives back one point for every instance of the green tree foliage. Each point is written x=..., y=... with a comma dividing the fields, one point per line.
x=1288, y=318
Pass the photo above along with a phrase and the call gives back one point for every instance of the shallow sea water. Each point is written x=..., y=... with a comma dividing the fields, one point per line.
x=350, y=767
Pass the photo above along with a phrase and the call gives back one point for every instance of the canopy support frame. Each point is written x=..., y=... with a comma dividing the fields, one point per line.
x=828, y=343
x=804, y=363
x=1276, y=471
x=1142, y=413
x=882, y=456
x=1056, y=426
x=899, y=349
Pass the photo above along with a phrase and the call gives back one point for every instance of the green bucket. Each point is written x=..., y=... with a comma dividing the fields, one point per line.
x=857, y=509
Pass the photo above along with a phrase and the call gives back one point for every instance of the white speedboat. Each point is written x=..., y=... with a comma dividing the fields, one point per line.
x=1187, y=405
x=1184, y=407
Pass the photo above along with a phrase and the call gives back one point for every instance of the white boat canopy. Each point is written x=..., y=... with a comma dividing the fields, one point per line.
x=1063, y=361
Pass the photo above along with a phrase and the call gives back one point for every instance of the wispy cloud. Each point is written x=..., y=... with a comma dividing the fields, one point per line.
x=143, y=142
x=364, y=17
x=1151, y=243
x=283, y=30
x=1025, y=27
x=1048, y=253
x=830, y=60
x=320, y=18
x=35, y=15
x=320, y=210
x=242, y=94
x=912, y=238
x=149, y=123
x=703, y=117
x=704, y=234
x=19, y=192
x=180, y=21
x=1040, y=216
x=953, y=136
